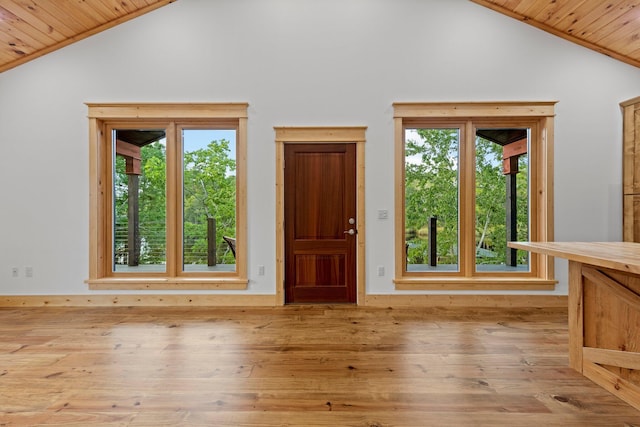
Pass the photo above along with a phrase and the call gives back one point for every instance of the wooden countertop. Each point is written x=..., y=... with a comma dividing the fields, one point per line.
x=623, y=256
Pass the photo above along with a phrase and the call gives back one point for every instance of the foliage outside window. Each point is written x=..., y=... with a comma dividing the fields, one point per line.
x=168, y=200
x=470, y=178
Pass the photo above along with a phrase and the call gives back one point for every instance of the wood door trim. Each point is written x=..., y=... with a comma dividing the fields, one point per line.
x=321, y=135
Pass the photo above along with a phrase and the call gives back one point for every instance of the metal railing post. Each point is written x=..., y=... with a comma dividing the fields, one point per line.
x=432, y=246
x=211, y=242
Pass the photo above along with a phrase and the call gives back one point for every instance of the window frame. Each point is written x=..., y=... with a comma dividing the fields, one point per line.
x=173, y=117
x=468, y=116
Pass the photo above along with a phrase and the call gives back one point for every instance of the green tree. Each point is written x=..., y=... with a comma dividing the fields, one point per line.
x=209, y=190
x=432, y=189
x=121, y=198
x=151, y=202
x=491, y=209
x=490, y=203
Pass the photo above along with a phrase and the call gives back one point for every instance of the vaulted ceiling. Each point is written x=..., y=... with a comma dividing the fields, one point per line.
x=32, y=28
x=611, y=27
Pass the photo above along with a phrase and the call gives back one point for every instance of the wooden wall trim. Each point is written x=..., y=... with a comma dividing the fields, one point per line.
x=169, y=111
x=170, y=300
x=518, y=109
x=491, y=301
x=198, y=300
x=320, y=134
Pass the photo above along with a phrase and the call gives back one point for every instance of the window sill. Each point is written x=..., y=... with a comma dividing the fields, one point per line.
x=173, y=283
x=473, y=283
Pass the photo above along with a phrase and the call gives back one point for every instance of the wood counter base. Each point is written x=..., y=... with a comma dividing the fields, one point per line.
x=604, y=312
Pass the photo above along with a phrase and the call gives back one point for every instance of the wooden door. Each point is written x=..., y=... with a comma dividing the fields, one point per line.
x=631, y=170
x=319, y=219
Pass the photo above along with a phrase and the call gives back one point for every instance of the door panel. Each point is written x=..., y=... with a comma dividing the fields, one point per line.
x=320, y=199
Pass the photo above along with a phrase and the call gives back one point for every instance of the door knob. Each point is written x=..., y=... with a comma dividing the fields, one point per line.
x=350, y=232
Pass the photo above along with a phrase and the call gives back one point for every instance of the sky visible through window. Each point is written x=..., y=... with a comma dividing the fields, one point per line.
x=200, y=138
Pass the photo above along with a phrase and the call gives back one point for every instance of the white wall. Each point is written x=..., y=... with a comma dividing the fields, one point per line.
x=297, y=62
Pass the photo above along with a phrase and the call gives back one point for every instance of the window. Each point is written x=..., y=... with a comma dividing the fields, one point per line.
x=472, y=177
x=168, y=208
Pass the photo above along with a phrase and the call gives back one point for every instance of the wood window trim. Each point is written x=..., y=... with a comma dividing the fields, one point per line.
x=541, y=113
x=101, y=116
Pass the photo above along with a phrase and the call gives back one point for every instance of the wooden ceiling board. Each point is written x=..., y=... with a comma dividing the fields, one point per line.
x=541, y=10
x=39, y=27
x=32, y=28
x=609, y=20
x=626, y=33
x=610, y=27
x=69, y=13
x=23, y=30
x=39, y=19
x=581, y=18
x=614, y=21
x=15, y=38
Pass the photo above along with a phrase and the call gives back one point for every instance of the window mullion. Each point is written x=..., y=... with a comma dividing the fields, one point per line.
x=108, y=220
x=400, y=258
x=539, y=222
x=241, y=195
x=173, y=200
x=467, y=200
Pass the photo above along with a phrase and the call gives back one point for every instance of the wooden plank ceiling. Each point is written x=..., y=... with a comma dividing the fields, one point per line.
x=32, y=28
x=611, y=27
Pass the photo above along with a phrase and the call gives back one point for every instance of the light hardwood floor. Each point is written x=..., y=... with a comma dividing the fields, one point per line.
x=295, y=366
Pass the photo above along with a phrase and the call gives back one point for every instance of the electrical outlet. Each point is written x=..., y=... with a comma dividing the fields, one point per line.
x=381, y=270
x=261, y=270
x=28, y=272
x=15, y=271
x=383, y=214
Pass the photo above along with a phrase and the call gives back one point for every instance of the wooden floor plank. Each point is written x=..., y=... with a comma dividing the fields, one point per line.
x=295, y=366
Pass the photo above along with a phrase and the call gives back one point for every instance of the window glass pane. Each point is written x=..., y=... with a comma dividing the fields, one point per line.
x=502, y=198
x=139, y=194
x=209, y=199
x=431, y=199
